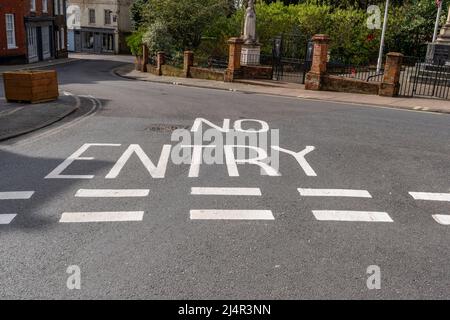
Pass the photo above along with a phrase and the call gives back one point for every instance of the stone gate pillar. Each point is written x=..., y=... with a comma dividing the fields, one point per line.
x=234, y=59
x=319, y=63
x=188, y=62
x=160, y=61
x=391, y=79
x=145, y=54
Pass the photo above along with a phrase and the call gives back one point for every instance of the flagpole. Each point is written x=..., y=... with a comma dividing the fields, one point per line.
x=436, y=26
x=383, y=33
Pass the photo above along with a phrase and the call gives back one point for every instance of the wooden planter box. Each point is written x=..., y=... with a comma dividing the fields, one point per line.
x=31, y=86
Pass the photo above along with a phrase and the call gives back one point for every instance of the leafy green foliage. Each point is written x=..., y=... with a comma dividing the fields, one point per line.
x=206, y=25
x=134, y=42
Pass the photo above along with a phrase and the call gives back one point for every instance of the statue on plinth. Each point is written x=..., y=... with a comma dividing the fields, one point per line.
x=439, y=52
x=251, y=49
x=250, y=23
x=444, y=36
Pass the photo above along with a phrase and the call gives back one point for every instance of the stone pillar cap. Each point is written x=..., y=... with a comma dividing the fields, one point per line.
x=321, y=37
x=235, y=40
x=395, y=54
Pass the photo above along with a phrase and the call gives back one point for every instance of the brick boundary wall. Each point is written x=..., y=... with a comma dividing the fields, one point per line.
x=318, y=79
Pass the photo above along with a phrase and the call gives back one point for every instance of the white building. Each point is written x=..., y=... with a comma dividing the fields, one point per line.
x=98, y=26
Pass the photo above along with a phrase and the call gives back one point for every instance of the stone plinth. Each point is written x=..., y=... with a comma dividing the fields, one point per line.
x=250, y=54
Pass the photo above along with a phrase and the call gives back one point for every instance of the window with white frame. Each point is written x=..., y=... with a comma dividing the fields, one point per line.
x=56, y=7
x=107, y=17
x=32, y=5
x=61, y=7
x=92, y=16
x=10, y=31
x=44, y=5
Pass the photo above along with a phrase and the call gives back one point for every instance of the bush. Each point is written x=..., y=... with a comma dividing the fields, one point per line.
x=134, y=42
x=157, y=38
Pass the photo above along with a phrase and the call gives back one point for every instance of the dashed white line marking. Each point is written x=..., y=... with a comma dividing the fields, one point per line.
x=117, y=216
x=231, y=215
x=334, y=193
x=365, y=216
x=7, y=218
x=227, y=191
x=430, y=196
x=443, y=219
x=112, y=193
x=16, y=195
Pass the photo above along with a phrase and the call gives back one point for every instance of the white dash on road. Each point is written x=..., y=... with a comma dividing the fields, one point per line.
x=16, y=195
x=7, y=218
x=365, y=216
x=112, y=193
x=442, y=219
x=227, y=191
x=334, y=193
x=117, y=216
x=430, y=196
x=232, y=215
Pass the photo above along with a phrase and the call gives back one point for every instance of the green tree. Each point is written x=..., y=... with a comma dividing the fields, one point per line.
x=186, y=20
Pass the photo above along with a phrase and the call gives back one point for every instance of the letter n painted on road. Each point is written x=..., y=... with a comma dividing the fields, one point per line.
x=157, y=172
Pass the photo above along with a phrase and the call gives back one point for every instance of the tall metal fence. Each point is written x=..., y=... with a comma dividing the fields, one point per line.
x=424, y=78
x=359, y=72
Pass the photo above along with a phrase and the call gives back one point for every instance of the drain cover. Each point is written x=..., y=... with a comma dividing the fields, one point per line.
x=165, y=127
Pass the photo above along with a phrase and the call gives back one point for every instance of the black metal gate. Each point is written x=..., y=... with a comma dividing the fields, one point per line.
x=424, y=78
x=292, y=57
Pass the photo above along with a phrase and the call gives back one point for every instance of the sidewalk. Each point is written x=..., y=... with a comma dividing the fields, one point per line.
x=291, y=90
x=37, y=65
x=17, y=119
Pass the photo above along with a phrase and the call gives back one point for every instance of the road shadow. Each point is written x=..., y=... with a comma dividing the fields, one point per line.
x=23, y=173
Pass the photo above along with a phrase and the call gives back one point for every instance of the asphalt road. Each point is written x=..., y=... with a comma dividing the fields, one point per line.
x=384, y=152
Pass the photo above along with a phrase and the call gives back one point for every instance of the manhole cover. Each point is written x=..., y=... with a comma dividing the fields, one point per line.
x=166, y=127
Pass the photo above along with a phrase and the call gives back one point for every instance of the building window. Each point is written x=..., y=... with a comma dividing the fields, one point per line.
x=107, y=16
x=32, y=5
x=44, y=5
x=88, y=40
x=10, y=31
x=91, y=15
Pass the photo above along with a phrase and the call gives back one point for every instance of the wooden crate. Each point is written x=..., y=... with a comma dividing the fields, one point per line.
x=31, y=85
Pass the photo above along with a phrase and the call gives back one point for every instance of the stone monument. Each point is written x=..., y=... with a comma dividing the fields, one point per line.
x=251, y=49
x=439, y=51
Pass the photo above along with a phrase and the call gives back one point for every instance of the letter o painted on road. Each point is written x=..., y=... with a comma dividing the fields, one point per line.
x=263, y=124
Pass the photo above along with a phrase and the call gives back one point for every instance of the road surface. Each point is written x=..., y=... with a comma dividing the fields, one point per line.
x=365, y=206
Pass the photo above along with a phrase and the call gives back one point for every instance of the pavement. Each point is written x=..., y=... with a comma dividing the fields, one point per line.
x=291, y=90
x=17, y=118
x=362, y=198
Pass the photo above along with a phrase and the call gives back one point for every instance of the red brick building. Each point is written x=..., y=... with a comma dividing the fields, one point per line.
x=13, y=47
x=32, y=30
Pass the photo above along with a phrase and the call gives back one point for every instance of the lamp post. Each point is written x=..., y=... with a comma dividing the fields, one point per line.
x=436, y=25
x=383, y=34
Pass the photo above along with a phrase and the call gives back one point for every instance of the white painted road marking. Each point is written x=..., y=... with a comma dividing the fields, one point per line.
x=7, y=218
x=442, y=219
x=430, y=196
x=334, y=193
x=227, y=191
x=16, y=195
x=335, y=215
x=118, y=216
x=232, y=215
x=112, y=193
